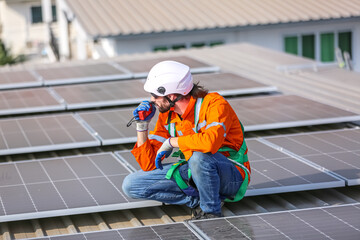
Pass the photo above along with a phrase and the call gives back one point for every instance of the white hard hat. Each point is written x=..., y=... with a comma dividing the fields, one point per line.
x=169, y=77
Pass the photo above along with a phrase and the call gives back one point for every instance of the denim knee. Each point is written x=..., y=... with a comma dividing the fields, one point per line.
x=197, y=160
x=126, y=185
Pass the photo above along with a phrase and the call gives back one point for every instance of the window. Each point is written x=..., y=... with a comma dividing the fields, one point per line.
x=322, y=50
x=36, y=14
x=160, y=48
x=308, y=46
x=198, y=45
x=53, y=13
x=178, y=46
x=345, y=42
x=216, y=43
x=187, y=45
x=291, y=45
x=327, y=53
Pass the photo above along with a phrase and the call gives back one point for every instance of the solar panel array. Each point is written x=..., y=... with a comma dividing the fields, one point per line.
x=63, y=186
x=339, y=222
x=92, y=183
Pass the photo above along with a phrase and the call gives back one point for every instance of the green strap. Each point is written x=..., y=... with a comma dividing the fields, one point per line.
x=174, y=172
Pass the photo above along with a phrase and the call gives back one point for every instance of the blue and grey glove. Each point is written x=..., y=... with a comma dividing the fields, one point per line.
x=143, y=115
x=163, y=152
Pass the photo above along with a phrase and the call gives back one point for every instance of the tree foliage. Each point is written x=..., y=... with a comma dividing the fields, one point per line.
x=7, y=58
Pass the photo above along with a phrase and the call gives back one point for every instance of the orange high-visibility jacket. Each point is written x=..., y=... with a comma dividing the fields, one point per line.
x=218, y=126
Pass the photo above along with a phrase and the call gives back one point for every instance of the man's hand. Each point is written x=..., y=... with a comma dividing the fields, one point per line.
x=163, y=152
x=143, y=115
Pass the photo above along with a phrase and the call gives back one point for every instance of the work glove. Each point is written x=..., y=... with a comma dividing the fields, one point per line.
x=143, y=115
x=163, y=152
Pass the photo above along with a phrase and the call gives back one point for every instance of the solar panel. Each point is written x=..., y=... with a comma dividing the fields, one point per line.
x=110, y=125
x=140, y=68
x=131, y=91
x=335, y=151
x=63, y=186
x=283, y=111
x=272, y=171
x=81, y=73
x=17, y=79
x=339, y=222
x=174, y=231
x=231, y=84
x=28, y=101
x=43, y=133
x=102, y=94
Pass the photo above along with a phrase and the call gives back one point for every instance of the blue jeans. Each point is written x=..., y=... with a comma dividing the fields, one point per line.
x=215, y=176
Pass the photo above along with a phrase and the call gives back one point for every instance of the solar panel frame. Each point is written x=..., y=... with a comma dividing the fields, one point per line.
x=29, y=80
x=29, y=101
x=44, y=133
x=45, y=187
x=49, y=78
x=195, y=65
x=337, y=155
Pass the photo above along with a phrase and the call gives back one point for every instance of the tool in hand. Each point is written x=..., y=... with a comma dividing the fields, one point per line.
x=142, y=115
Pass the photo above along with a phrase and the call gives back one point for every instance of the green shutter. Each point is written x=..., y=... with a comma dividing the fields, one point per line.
x=345, y=42
x=53, y=13
x=178, y=46
x=198, y=45
x=291, y=45
x=327, y=47
x=160, y=48
x=308, y=46
x=36, y=15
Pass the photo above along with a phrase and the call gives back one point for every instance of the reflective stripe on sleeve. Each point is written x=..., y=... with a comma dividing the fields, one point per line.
x=157, y=138
x=213, y=124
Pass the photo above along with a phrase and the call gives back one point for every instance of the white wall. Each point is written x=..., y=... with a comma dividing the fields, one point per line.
x=267, y=36
x=18, y=32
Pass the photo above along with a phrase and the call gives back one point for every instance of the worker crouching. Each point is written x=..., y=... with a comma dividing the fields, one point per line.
x=213, y=165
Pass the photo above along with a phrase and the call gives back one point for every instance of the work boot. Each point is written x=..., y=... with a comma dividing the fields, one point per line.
x=203, y=215
x=197, y=213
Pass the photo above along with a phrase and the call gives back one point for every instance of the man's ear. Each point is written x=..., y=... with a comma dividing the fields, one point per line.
x=172, y=97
